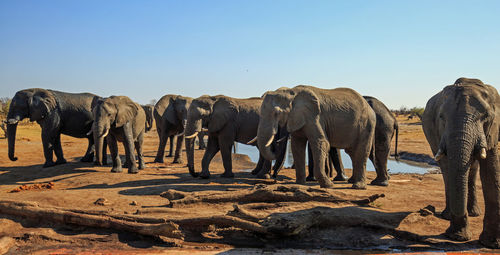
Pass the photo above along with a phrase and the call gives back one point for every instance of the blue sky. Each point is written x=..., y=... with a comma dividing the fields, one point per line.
x=401, y=52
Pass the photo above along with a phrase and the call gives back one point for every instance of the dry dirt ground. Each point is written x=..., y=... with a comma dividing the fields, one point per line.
x=34, y=201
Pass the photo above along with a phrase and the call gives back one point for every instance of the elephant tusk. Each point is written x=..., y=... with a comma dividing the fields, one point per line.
x=90, y=132
x=252, y=141
x=105, y=134
x=270, y=141
x=439, y=155
x=191, y=136
x=204, y=130
x=179, y=134
x=281, y=139
x=12, y=121
x=483, y=153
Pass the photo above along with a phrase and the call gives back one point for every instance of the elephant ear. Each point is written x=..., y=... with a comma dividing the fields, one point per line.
x=493, y=123
x=40, y=105
x=95, y=101
x=170, y=114
x=305, y=108
x=223, y=111
x=126, y=110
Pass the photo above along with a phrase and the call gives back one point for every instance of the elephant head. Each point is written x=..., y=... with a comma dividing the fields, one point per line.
x=35, y=104
x=290, y=108
x=111, y=112
x=148, y=109
x=176, y=112
x=468, y=123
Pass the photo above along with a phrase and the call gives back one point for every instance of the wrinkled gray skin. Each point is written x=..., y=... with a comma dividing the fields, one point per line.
x=170, y=113
x=327, y=118
x=228, y=120
x=57, y=113
x=148, y=110
x=461, y=124
x=118, y=118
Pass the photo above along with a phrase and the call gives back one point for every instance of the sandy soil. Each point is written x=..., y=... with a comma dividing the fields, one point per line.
x=78, y=185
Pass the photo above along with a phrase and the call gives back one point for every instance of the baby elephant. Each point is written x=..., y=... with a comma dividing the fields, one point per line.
x=123, y=120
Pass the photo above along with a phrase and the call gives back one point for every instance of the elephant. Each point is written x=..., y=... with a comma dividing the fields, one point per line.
x=118, y=118
x=57, y=113
x=228, y=120
x=170, y=114
x=461, y=124
x=385, y=128
x=148, y=110
x=327, y=118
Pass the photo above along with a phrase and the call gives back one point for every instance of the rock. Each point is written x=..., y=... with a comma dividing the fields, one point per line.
x=428, y=210
x=6, y=243
x=133, y=203
x=102, y=201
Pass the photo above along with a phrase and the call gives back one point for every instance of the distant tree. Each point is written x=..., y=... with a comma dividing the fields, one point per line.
x=153, y=102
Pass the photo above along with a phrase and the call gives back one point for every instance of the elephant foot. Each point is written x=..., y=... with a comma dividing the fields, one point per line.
x=474, y=210
x=490, y=241
x=255, y=171
x=201, y=148
x=49, y=164
x=378, y=182
x=61, y=161
x=98, y=163
x=359, y=185
x=340, y=178
x=169, y=155
x=133, y=170
x=205, y=175
x=192, y=172
x=326, y=185
x=177, y=161
x=158, y=160
x=352, y=180
x=461, y=235
x=264, y=176
x=310, y=179
x=117, y=169
x=87, y=158
x=227, y=175
x=445, y=214
x=301, y=181
x=142, y=166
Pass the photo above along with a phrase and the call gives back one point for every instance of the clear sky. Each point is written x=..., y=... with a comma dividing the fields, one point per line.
x=401, y=52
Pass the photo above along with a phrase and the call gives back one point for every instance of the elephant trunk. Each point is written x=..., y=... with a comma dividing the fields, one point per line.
x=190, y=131
x=11, y=134
x=99, y=136
x=265, y=134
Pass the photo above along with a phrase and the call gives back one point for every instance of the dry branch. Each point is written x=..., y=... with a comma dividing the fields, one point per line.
x=265, y=193
x=58, y=215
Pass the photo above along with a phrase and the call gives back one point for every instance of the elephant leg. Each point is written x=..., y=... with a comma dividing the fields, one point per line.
x=212, y=149
x=178, y=150
x=161, y=148
x=89, y=154
x=128, y=143
x=329, y=165
x=490, y=180
x=359, y=157
x=320, y=149
x=336, y=159
x=443, y=164
x=113, y=149
x=258, y=167
x=138, y=147
x=173, y=140
x=380, y=163
x=201, y=141
x=299, y=155
x=58, y=150
x=265, y=171
x=310, y=165
x=226, y=144
x=48, y=148
x=473, y=208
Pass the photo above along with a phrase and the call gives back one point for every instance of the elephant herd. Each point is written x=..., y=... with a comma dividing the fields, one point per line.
x=461, y=124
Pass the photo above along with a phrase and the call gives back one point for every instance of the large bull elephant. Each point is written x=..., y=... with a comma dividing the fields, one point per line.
x=461, y=124
x=228, y=120
x=57, y=113
x=327, y=118
x=118, y=118
x=170, y=113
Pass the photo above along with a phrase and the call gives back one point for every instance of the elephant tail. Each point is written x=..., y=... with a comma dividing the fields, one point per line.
x=396, y=154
